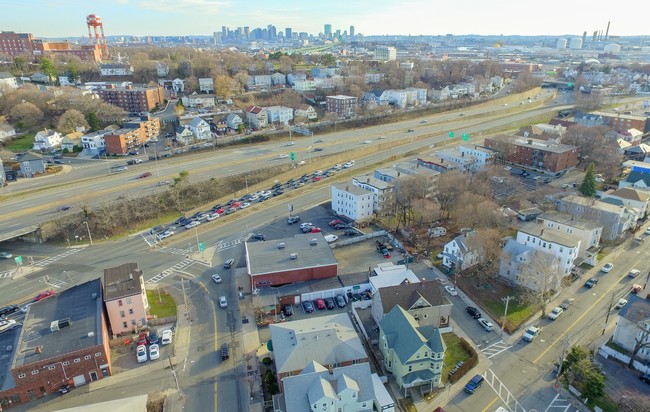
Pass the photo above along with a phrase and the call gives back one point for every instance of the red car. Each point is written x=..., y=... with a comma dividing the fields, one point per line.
x=145, y=174
x=316, y=178
x=315, y=230
x=143, y=339
x=335, y=222
x=235, y=205
x=220, y=211
x=44, y=295
x=320, y=304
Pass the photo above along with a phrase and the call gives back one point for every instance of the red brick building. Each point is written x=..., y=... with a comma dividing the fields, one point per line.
x=63, y=341
x=14, y=44
x=132, y=135
x=541, y=155
x=133, y=99
x=92, y=53
x=343, y=106
x=297, y=259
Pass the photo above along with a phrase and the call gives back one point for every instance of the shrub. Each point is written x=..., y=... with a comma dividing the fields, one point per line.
x=267, y=361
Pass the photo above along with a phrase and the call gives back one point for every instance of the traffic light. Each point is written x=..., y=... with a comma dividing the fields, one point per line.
x=293, y=156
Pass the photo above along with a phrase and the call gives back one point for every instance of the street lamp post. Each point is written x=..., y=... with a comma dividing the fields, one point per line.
x=506, y=300
x=89, y=236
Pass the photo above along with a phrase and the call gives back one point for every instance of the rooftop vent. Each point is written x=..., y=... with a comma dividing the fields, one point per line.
x=91, y=334
x=56, y=325
x=293, y=256
x=281, y=245
x=94, y=296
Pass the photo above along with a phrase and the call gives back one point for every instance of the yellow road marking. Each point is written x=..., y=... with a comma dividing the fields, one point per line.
x=490, y=405
x=584, y=313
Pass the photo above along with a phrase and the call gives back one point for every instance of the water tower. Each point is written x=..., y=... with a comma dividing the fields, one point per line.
x=94, y=21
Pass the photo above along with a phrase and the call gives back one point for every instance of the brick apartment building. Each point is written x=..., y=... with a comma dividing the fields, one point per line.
x=617, y=121
x=542, y=155
x=125, y=298
x=63, y=341
x=132, y=135
x=343, y=106
x=133, y=99
x=14, y=44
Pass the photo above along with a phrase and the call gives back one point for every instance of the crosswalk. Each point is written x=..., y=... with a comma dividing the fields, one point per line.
x=52, y=259
x=229, y=244
x=6, y=274
x=495, y=349
x=174, y=251
x=183, y=264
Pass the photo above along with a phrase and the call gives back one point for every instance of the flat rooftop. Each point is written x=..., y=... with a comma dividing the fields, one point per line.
x=270, y=257
x=81, y=304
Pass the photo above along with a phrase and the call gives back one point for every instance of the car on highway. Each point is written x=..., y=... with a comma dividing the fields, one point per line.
x=607, y=268
x=230, y=210
x=216, y=278
x=474, y=384
x=367, y=141
x=423, y=121
x=44, y=295
x=212, y=216
x=244, y=205
x=259, y=236
x=451, y=290
x=531, y=333
x=318, y=149
x=141, y=353
x=223, y=302
x=591, y=283
x=192, y=224
x=485, y=324
x=634, y=273
x=5, y=255
x=473, y=312
x=410, y=130
x=308, y=306
x=555, y=313
x=647, y=231
x=154, y=352
x=8, y=310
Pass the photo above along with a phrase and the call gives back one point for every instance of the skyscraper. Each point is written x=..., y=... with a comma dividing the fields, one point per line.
x=287, y=33
x=328, y=30
x=352, y=32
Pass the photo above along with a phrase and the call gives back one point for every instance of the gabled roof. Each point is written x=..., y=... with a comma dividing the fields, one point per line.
x=254, y=109
x=196, y=122
x=29, y=156
x=631, y=194
x=409, y=295
x=400, y=329
x=635, y=176
x=232, y=117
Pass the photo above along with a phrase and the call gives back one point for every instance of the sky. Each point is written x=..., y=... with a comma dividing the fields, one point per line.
x=67, y=18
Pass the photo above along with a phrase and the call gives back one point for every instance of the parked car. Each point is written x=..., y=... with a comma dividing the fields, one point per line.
x=555, y=313
x=44, y=295
x=228, y=263
x=192, y=224
x=320, y=304
x=340, y=301
x=531, y=333
x=451, y=290
x=474, y=384
x=141, y=353
x=308, y=306
x=166, y=337
x=287, y=309
x=244, y=205
x=485, y=324
x=154, y=352
x=153, y=336
x=473, y=312
x=230, y=210
x=329, y=302
x=216, y=278
x=591, y=283
x=212, y=216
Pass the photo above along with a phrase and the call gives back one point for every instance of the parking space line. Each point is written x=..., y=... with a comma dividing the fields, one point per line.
x=564, y=404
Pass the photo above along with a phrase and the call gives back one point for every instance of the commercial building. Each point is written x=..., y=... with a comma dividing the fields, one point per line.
x=63, y=341
x=133, y=99
x=125, y=298
x=132, y=135
x=297, y=259
x=14, y=44
x=541, y=155
x=343, y=106
x=385, y=53
x=89, y=53
x=352, y=201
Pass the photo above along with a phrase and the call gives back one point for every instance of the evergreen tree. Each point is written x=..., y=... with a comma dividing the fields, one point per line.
x=588, y=185
x=93, y=121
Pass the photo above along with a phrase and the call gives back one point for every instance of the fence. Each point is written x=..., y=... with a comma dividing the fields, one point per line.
x=607, y=352
x=357, y=239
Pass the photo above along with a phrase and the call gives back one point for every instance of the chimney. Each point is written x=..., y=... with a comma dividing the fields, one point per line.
x=542, y=232
x=530, y=141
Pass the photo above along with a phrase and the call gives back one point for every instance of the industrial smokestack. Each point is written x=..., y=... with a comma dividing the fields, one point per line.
x=607, y=31
x=595, y=37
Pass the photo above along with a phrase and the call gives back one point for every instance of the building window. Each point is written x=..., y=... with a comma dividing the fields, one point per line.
x=21, y=375
x=98, y=354
x=87, y=357
x=66, y=363
x=128, y=301
x=77, y=360
x=51, y=367
x=119, y=303
x=35, y=372
x=130, y=311
x=132, y=322
x=124, y=325
x=410, y=368
x=122, y=314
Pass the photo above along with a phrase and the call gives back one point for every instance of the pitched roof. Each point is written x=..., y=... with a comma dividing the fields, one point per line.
x=631, y=194
x=254, y=109
x=400, y=329
x=332, y=340
x=635, y=176
x=29, y=156
x=409, y=295
x=196, y=122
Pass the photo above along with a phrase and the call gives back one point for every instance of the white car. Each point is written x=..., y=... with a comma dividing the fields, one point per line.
x=508, y=167
x=621, y=302
x=647, y=231
x=305, y=224
x=192, y=224
x=166, y=337
x=367, y=141
x=154, y=352
x=244, y=205
x=167, y=233
x=216, y=278
x=141, y=353
x=283, y=156
x=212, y=216
x=555, y=313
x=485, y=324
x=451, y=290
x=338, y=166
x=5, y=255
x=254, y=197
x=25, y=308
x=607, y=268
x=223, y=302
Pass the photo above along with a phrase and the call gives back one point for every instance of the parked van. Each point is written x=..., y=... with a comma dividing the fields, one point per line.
x=437, y=231
x=331, y=238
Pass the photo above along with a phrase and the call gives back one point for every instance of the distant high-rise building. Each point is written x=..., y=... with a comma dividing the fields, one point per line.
x=224, y=32
x=217, y=37
x=287, y=32
x=247, y=32
x=338, y=34
x=271, y=32
x=327, y=30
x=352, y=32
x=385, y=53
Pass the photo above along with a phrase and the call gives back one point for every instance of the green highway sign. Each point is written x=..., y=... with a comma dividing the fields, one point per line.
x=451, y=134
x=201, y=247
x=19, y=259
x=465, y=136
x=293, y=156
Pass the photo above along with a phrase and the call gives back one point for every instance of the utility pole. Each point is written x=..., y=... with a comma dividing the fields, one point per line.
x=506, y=300
x=178, y=388
x=609, y=309
x=561, y=361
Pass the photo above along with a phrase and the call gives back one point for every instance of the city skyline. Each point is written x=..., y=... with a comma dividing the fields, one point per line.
x=66, y=18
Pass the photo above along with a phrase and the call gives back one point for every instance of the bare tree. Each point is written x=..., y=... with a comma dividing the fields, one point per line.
x=450, y=186
x=486, y=244
x=71, y=120
x=539, y=275
x=26, y=113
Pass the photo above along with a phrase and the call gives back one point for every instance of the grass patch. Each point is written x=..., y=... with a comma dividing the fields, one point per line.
x=518, y=313
x=606, y=404
x=161, y=303
x=618, y=348
x=22, y=143
x=455, y=353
